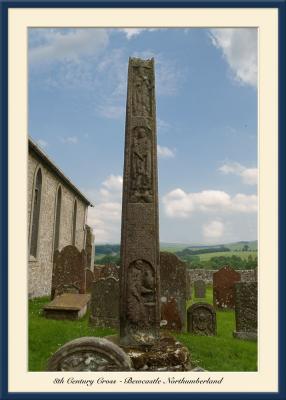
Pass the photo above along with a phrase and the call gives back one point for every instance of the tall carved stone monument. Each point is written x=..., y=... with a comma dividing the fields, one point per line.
x=140, y=254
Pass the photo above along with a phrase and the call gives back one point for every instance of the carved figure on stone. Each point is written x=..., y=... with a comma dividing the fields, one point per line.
x=141, y=182
x=140, y=293
x=142, y=89
x=201, y=319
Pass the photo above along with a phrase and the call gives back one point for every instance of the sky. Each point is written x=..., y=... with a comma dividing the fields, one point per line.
x=206, y=99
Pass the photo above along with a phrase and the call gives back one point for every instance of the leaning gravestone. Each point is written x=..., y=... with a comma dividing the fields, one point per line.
x=89, y=354
x=201, y=319
x=140, y=257
x=104, y=307
x=223, y=287
x=173, y=276
x=69, y=267
x=246, y=310
x=200, y=289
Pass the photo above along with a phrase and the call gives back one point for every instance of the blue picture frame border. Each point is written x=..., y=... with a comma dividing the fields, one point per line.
x=5, y=5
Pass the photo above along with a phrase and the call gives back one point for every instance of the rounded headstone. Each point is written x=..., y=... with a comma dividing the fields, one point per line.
x=201, y=319
x=89, y=354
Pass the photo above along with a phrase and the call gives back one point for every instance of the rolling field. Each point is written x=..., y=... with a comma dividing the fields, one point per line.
x=242, y=254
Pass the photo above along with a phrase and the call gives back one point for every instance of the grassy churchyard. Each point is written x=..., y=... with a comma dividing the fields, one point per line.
x=218, y=353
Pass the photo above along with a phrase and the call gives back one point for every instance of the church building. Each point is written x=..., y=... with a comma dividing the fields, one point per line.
x=57, y=213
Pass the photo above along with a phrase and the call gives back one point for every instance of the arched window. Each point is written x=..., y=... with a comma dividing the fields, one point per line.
x=74, y=222
x=36, y=214
x=58, y=219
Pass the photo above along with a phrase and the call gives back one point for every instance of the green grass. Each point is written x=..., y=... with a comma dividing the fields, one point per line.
x=221, y=352
x=47, y=335
x=214, y=353
x=242, y=254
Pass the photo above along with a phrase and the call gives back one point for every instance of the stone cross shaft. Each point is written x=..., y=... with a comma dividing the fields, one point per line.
x=140, y=253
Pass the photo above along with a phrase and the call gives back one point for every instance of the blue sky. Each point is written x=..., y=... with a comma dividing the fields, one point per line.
x=206, y=122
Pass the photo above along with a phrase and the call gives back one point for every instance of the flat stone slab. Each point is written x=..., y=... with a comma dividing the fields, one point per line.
x=166, y=355
x=67, y=306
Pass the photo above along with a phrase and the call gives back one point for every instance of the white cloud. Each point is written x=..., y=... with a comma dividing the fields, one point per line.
x=42, y=143
x=105, y=217
x=213, y=229
x=111, y=111
x=249, y=176
x=244, y=203
x=162, y=125
x=179, y=204
x=133, y=32
x=239, y=48
x=69, y=140
x=165, y=152
x=67, y=45
x=113, y=183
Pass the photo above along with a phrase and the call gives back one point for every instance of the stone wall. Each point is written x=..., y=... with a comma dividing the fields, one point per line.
x=40, y=268
x=206, y=275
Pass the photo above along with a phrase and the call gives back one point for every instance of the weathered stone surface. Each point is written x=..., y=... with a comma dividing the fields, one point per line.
x=200, y=289
x=104, y=308
x=201, y=319
x=69, y=271
x=89, y=247
x=89, y=354
x=89, y=278
x=140, y=259
x=246, y=310
x=106, y=271
x=189, y=285
x=170, y=316
x=167, y=354
x=223, y=287
x=67, y=306
x=40, y=268
x=173, y=294
x=247, y=275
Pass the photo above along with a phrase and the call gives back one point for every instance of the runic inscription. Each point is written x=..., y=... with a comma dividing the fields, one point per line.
x=139, y=280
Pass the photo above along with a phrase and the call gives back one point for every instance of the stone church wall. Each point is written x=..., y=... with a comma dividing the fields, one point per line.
x=40, y=268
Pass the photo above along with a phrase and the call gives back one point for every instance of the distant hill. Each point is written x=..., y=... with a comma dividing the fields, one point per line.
x=114, y=249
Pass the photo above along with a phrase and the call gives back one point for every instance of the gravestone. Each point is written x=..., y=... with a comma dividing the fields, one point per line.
x=173, y=277
x=201, y=319
x=200, y=289
x=104, y=307
x=89, y=247
x=170, y=317
x=89, y=354
x=140, y=258
x=246, y=310
x=223, y=287
x=89, y=278
x=69, y=267
x=106, y=271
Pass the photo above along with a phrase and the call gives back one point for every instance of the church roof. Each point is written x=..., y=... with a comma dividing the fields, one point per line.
x=44, y=157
